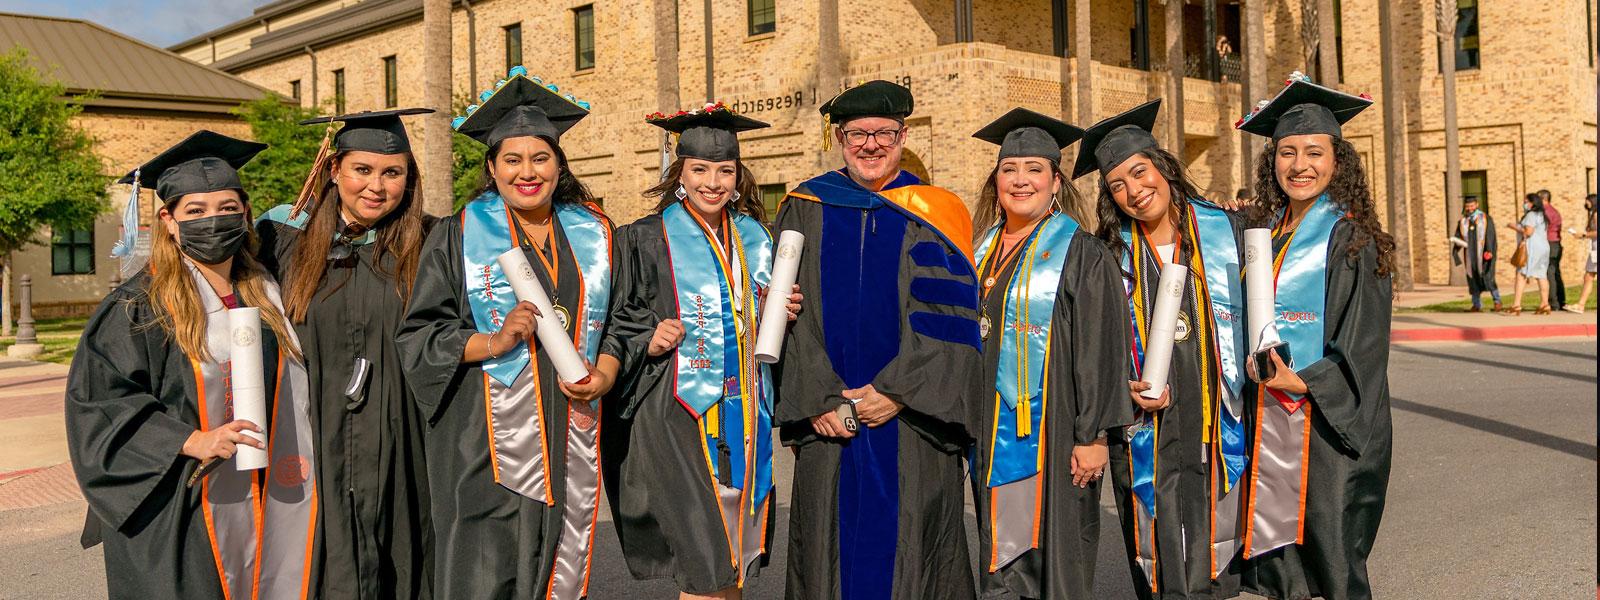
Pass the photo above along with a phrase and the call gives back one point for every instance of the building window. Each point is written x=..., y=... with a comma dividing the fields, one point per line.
x=583, y=37
x=763, y=16
x=294, y=89
x=1474, y=184
x=1466, y=34
x=338, y=91
x=391, y=83
x=513, y=45
x=771, y=196
x=72, y=252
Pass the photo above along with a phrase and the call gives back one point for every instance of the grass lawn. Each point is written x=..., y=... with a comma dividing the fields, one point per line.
x=1530, y=300
x=59, y=336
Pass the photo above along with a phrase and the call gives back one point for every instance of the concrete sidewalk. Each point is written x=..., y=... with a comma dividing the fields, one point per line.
x=33, y=436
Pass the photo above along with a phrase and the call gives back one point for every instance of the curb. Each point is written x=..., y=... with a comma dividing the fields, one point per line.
x=1507, y=332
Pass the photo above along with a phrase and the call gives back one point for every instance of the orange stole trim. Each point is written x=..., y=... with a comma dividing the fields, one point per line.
x=600, y=486
x=1305, y=472
x=205, y=484
x=1255, y=475
x=940, y=208
x=488, y=419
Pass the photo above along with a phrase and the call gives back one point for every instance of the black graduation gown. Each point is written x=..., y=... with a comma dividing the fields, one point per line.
x=662, y=500
x=1480, y=272
x=489, y=542
x=1183, y=503
x=1351, y=440
x=937, y=381
x=1088, y=382
x=372, y=477
x=130, y=406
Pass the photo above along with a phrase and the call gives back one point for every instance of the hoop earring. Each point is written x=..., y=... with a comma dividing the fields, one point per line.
x=680, y=192
x=1055, y=200
x=736, y=197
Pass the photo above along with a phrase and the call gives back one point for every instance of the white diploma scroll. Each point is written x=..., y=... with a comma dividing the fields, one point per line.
x=1458, y=241
x=248, y=388
x=1163, y=329
x=552, y=334
x=775, y=315
x=1261, y=295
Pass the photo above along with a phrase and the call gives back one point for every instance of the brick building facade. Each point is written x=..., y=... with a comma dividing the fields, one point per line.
x=1526, y=95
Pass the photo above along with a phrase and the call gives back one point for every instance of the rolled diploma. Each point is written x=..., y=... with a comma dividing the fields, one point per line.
x=1260, y=293
x=552, y=336
x=1163, y=329
x=775, y=314
x=248, y=388
x=1458, y=241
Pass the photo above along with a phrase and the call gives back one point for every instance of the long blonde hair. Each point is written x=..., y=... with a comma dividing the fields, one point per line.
x=176, y=302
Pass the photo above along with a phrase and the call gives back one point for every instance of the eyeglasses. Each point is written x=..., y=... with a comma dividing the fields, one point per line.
x=884, y=137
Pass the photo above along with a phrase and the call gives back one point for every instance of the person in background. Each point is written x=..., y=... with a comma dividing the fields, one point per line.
x=1532, y=232
x=1589, y=265
x=1552, y=232
x=1476, y=230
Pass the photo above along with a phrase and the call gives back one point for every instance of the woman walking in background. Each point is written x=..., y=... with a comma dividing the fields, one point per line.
x=1589, y=262
x=1531, y=232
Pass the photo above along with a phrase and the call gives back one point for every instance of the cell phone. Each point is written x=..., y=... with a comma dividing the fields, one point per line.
x=1261, y=366
x=847, y=414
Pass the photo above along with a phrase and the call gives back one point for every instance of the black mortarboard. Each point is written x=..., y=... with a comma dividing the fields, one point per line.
x=206, y=161
x=708, y=134
x=1023, y=132
x=876, y=98
x=379, y=131
x=1110, y=142
x=520, y=107
x=1304, y=108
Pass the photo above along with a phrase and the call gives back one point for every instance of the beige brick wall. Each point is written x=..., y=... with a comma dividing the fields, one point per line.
x=1527, y=117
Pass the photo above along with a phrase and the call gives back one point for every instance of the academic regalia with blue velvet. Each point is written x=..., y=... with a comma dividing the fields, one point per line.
x=891, y=300
x=1348, y=444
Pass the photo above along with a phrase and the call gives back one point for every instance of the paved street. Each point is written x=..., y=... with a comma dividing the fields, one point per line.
x=1492, y=496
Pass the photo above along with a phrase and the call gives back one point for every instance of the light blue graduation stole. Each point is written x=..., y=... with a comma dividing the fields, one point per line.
x=486, y=233
x=280, y=214
x=1303, y=287
x=1025, y=344
x=716, y=370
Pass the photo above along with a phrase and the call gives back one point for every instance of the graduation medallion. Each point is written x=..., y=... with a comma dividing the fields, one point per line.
x=983, y=328
x=988, y=283
x=1180, y=330
x=562, y=315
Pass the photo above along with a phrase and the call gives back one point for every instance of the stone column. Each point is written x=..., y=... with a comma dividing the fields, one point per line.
x=27, y=345
x=437, y=194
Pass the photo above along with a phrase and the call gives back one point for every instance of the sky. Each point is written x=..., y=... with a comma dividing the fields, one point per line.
x=159, y=22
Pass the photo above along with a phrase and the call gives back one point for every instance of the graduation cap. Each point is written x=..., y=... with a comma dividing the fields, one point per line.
x=206, y=161
x=710, y=133
x=876, y=98
x=521, y=106
x=1023, y=132
x=1303, y=108
x=1110, y=142
x=379, y=131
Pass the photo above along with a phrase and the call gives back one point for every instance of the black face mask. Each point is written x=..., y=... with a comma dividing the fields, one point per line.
x=212, y=240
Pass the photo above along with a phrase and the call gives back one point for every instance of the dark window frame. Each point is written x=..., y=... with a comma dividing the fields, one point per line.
x=294, y=89
x=771, y=197
x=338, y=91
x=79, y=248
x=1467, y=58
x=583, y=58
x=513, y=33
x=761, y=16
x=391, y=81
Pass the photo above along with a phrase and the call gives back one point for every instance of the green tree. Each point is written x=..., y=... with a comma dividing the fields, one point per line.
x=276, y=175
x=50, y=176
x=466, y=166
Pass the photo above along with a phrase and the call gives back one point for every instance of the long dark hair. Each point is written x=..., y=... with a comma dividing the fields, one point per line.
x=1348, y=190
x=1536, y=203
x=1179, y=187
x=989, y=212
x=399, y=233
x=569, y=190
x=749, y=201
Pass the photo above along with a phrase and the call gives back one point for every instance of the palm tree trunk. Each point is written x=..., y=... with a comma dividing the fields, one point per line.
x=1452, y=134
x=1254, y=46
x=1327, y=45
x=1175, y=66
x=436, y=190
x=1394, y=143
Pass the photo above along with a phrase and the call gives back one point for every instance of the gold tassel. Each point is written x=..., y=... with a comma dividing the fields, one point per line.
x=319, y=166
x=827, y=139
x=713, y=423
x=1024, y=418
